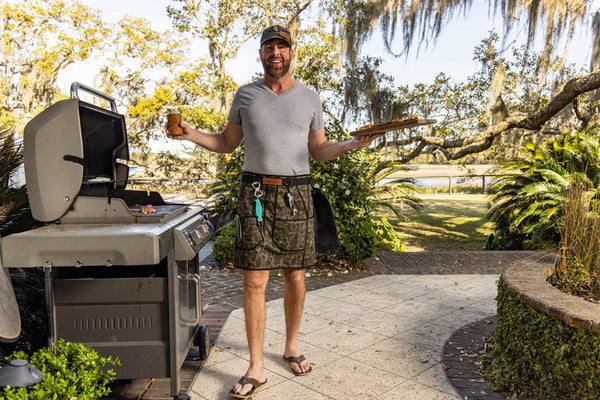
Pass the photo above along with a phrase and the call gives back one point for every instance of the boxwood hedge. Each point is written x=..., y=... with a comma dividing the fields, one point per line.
x=537, y=355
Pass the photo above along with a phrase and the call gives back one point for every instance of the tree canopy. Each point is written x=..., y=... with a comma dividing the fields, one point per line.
x=518, y=93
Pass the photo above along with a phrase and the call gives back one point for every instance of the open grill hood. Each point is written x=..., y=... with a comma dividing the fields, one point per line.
x=69, y=144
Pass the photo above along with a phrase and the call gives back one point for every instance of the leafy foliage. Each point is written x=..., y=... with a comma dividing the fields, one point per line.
x=72, y=371
x=38, y=40
x=353, y=185
x=531, y=192
x=536, y=355
x=224, y=245
x=226, y=187
x=15, y=214
x=578, y=269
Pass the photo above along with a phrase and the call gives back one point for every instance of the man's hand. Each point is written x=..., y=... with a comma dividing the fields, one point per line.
x=186, y=132
x=360, y=142
x=322, y=150
x=223, y=142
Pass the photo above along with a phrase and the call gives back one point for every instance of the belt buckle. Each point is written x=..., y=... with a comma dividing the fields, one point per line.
x=272, y=181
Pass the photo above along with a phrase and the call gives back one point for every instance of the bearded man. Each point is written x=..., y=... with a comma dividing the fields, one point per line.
x=281, y=123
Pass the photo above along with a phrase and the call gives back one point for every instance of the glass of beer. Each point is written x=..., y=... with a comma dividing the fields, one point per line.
x=173, y=120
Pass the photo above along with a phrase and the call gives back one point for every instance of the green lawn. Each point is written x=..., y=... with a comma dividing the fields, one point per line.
x=447, y=223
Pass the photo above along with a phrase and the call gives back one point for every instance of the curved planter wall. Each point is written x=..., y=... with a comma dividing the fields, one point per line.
x=547, y=343
x=528, y=284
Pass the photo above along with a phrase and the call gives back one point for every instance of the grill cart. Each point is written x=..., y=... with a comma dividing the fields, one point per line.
x=120, y=280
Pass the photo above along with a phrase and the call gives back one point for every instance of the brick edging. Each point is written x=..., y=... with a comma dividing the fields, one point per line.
x=527, y=282
x=462, y=352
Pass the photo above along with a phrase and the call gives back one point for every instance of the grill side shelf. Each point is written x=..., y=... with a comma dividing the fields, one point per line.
x=76, y=245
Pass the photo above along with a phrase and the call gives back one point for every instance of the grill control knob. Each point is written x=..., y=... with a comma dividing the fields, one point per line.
x=196, y=236
x=188, y=237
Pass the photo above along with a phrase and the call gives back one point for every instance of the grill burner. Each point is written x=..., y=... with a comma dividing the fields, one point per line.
x=118, y=280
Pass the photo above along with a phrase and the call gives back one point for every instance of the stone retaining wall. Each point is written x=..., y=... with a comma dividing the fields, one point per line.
x=528, y=283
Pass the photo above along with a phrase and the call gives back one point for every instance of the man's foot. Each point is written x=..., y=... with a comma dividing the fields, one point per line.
x=298, y=365
x=246, y=387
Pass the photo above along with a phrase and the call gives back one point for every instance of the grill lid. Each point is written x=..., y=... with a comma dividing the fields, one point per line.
x=69, y=143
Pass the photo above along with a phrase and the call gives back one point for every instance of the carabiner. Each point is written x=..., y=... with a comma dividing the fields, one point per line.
x=257, y=192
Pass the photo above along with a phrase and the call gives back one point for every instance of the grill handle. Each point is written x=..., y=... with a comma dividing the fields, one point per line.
x=196, y=279
x=76, y=86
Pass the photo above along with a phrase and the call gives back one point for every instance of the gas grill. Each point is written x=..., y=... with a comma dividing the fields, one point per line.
x=117, y=279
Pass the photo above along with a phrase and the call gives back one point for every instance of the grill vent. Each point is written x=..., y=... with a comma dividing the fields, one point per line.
x=112, y=323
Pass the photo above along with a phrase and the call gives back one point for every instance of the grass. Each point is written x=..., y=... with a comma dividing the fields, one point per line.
x=447, y=223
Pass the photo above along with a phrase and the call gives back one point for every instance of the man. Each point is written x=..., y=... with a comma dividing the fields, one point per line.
x=281, y=122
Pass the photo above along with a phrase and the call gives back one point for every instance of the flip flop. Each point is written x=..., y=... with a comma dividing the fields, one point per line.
x=297, y=360
x=256, y=386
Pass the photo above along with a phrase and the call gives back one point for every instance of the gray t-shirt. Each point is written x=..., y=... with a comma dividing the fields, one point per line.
x=276, y=127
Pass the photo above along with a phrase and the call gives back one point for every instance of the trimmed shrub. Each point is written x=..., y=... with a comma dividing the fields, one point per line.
x=72, y=371
x=537, y=355
x=224, y=245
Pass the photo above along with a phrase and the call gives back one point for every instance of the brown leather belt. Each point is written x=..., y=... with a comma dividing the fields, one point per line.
x=248, y=177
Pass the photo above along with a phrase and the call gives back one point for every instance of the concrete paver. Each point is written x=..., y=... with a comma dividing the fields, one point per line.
x=391, y=319
x=379, y=337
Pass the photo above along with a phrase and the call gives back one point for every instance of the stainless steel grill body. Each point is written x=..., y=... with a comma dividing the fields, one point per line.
x=123, y=282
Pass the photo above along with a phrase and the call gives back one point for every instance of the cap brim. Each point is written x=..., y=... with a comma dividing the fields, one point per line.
x=274, y=35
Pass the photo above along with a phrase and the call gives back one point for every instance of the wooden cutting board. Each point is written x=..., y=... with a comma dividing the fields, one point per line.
x=392, y=126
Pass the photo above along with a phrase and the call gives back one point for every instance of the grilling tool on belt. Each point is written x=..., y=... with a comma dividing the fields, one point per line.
x=258, y=210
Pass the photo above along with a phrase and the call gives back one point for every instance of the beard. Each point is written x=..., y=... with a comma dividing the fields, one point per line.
x=276, y=72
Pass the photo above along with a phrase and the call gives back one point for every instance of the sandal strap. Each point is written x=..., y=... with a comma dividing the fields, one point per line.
x=296, y=360
x=244, y=381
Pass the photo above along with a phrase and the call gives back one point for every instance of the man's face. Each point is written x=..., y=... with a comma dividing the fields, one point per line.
x=275, y=56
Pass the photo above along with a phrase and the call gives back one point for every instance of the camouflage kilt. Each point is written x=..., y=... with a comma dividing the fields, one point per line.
x=283, y=239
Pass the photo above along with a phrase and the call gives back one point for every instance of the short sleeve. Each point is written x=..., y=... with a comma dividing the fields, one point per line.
x=317, y=122
x=234, y=112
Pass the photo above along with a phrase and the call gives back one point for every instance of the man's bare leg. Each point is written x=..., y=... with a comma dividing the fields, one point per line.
x=293, y=303
x=255, y=285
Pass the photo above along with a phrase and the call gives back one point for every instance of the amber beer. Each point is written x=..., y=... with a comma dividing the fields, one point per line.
x=173, y=120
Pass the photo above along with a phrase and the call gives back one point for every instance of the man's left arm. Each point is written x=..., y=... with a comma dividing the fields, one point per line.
x=322, y=150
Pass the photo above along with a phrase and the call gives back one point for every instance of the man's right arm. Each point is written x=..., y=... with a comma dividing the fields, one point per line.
x=224, y=142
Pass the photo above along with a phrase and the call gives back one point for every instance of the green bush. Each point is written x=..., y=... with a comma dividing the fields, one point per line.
x=224, y=245
x=537, y=355
x=357, y=234
x=73, y=371
x=226, y=186
x=530, y=194
x=386, y=236
x=352, y=183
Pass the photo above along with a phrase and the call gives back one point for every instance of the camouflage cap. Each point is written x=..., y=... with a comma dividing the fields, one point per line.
x=276, y=32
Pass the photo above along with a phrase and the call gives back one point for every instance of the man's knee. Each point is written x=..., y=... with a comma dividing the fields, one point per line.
x=256, y=280
x=294, y=277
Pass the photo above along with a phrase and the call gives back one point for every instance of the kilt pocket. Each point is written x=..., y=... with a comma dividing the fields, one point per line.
x=289, y=231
